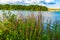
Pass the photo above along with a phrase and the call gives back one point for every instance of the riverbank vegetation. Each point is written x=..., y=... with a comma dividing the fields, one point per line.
x=23, y=7
x=28, y=28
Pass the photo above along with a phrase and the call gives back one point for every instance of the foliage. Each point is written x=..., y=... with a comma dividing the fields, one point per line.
x=13, y=28
x=23, y=7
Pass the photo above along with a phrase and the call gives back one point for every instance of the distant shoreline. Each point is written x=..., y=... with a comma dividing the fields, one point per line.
x=21, y=7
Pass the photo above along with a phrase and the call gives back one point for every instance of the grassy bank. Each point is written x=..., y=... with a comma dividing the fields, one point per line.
x=23, y=7
x=13, y=28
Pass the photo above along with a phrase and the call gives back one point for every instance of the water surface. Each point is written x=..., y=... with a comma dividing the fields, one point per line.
x=47, y=15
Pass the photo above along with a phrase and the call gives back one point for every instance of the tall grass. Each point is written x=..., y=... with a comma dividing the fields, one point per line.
x=28, y=28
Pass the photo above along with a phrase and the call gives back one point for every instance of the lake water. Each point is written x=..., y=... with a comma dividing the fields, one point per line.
x=47, y=15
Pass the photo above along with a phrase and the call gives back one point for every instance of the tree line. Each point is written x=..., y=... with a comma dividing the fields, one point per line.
x=23, y=7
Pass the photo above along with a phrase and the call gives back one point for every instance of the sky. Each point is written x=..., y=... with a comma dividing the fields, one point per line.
x=56, y=5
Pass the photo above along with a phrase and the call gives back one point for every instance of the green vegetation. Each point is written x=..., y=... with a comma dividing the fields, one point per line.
x=21, y=7
x=14, y=28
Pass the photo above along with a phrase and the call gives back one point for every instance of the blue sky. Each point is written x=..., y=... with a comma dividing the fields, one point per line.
x=56, y=5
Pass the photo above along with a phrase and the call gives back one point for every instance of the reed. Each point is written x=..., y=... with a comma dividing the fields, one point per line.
x=28, y=28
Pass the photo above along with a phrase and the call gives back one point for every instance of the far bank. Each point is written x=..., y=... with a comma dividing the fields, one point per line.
x=23, y=7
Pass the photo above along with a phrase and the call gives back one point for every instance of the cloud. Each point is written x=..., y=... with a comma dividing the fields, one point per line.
x=8, y=1
x=3, y=1
x=49, y=0
x=12, y=1
x=25, y=1
x=32, y=1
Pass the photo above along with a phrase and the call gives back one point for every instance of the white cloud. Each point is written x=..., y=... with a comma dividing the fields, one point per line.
x=49, y=0
x=26, y=1
x=33, y=1
x=8, y=1
x=3, y=1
